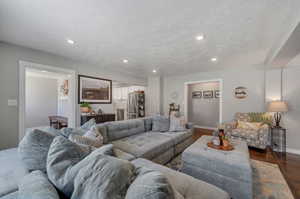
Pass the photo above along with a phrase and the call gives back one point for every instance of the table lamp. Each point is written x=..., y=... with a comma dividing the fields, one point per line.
x=277, y=107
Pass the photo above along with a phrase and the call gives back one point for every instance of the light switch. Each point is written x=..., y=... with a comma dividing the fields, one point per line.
x=12, y=102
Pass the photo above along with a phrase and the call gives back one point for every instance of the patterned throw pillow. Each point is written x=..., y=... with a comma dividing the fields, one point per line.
x=91, y=138
x=66, y=132
x=249, y=125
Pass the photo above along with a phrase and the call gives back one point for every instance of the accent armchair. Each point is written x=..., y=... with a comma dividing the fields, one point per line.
x=259, y=137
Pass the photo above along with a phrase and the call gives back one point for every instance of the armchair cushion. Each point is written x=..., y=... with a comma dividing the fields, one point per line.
x=245, y=133
x=249, y=125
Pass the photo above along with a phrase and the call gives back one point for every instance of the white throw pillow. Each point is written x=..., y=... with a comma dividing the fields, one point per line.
x=177, y=122
x=91, y=138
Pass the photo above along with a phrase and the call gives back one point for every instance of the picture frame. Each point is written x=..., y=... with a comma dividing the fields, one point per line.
x=208, y=94
x=197, y=94
x=240, y=92
x=217, y=93
x=94, y=90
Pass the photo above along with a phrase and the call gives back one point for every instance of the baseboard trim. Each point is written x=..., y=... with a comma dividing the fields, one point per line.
x=294, y=151
x=205, y=127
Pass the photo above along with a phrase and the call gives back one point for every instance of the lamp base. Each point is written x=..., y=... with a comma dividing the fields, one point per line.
x=277, y=118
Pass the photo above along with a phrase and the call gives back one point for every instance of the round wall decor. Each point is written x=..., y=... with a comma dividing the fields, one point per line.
x=240, y=92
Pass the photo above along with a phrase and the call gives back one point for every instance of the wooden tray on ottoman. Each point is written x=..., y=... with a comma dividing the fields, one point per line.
x=222, y=148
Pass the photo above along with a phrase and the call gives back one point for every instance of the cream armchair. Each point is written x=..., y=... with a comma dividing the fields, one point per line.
x=258, y=138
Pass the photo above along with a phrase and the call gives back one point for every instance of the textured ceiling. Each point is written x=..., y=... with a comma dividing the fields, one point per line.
x=151, y=34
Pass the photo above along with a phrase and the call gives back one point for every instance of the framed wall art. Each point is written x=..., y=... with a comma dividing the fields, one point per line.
x=240, y=92
x=208, y=94
x=197, y=94
x=94, y=90
x=217, y=94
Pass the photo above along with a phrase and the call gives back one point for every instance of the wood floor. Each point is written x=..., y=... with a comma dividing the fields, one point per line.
x=288, y=163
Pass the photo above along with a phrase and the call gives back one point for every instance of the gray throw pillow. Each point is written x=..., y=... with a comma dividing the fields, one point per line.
x=160, y=123
x=103, y=177
x=148, y=123
x=89, y=124
x=150, y=184
x=92, y=138
x=33, y=149
x=102, y=129
x=66, y=159
x=36, y=186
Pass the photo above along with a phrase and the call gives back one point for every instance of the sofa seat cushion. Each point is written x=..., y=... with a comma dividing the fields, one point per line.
x=146, y=145
x=246, y=134
x=11, y=172
x=121, y=129
x=179, y=137
x=187, y=186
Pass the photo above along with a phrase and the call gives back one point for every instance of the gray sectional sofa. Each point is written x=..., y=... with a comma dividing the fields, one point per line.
x=132, y=140
x=135, y=138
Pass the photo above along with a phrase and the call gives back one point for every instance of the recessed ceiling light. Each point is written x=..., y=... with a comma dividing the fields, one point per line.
x=125, y=61
x=70, y=41
x=200, y=37
x=214, y=59
x=44, y=71
x=154, y=71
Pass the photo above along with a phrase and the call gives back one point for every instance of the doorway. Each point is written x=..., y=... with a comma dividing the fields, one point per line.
x=45, y=92
x=203, y=103
x=128, y=100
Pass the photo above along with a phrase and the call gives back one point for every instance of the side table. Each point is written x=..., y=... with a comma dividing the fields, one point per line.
x=278, y=139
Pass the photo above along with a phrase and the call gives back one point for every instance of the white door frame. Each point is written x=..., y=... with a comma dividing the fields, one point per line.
x=186, y=84
x=23, y=65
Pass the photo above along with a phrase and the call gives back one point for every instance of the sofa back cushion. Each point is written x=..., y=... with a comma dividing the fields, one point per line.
x=120, y=129
x=160, y=123
x=36, y=185
x=33, y=149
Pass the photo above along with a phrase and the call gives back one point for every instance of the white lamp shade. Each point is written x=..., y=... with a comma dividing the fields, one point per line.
x=277, y=106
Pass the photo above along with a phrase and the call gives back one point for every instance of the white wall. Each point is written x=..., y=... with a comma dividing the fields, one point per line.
x=262, y=87
x=291, y=94
x=41, y=100
x=10, y=55
x=201, y=111
x=251, y=79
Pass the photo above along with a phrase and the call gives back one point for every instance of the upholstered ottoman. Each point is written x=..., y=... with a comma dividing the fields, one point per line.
x=229, y=170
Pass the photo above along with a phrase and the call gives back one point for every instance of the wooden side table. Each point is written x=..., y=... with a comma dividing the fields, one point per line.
x=278, y=139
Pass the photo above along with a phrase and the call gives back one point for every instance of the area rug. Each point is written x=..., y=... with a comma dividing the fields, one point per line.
x=268, y=181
